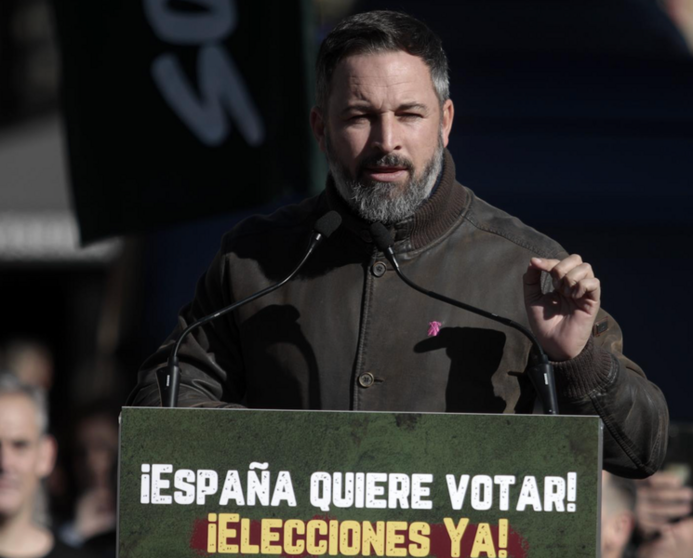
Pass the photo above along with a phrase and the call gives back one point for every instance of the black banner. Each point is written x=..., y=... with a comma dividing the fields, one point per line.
x=177, y=110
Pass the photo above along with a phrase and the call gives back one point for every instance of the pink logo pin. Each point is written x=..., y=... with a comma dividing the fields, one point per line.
x=434, y=329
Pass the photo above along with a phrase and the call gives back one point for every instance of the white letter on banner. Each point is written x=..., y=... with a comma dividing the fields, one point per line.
x=221, y=85
x=320, y=498
x=419, y=492
x=145, y=483
x=398, y=491
x=554, y=493
x=259, y=487
x=191, y=28
x=457, y=493
x=480, y=502
x=159, y=484
x=347, y=499
x=184, y=481
x=207, y=484
x=529, y=495
x=232, y=490
x=373, y=490
x=284, y=490
x=504, y=482
x=360, y=490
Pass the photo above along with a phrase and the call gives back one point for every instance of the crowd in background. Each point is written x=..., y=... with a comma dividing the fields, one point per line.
x=648, y=518
x=76, y=497
x=75, y=494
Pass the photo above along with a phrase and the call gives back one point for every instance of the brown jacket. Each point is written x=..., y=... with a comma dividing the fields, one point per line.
x=347, y=333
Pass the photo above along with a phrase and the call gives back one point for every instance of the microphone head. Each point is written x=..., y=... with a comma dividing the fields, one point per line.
x=328, y=223
x=381, y=236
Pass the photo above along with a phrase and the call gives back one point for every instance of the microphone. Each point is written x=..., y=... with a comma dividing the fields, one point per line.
x=540, y=372
x=169, y=377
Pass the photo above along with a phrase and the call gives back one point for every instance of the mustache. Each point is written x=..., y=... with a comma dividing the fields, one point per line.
x=390, y=160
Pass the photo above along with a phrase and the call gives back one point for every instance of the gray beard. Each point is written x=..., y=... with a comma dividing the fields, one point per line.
x=381, y=201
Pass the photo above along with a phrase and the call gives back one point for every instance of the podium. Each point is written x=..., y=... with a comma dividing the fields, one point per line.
x=208, y=482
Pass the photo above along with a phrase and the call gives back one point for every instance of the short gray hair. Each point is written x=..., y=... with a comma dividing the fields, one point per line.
x=381, y=31
x=10, y=385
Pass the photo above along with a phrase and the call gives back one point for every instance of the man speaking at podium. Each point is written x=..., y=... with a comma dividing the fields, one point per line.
x=347, y=333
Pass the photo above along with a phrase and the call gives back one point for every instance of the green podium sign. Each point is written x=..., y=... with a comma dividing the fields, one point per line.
x=208, y=482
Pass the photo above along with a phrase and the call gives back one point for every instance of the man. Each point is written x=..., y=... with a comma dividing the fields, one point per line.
x=27, y=455
x=94, y=458
x=347, y=333
x=618, y=514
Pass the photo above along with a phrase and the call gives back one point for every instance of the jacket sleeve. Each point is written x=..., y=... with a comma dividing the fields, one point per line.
x=602, y=381
x=210, y=357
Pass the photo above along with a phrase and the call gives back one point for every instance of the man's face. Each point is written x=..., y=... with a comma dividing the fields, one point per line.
x=26, y=456
x=97, y=445
x=383, y=132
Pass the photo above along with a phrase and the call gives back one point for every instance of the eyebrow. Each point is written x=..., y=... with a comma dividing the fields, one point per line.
x=366, y=107
x=410, y=106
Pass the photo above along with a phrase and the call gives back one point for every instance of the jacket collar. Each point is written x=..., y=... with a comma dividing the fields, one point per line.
x=431, y=221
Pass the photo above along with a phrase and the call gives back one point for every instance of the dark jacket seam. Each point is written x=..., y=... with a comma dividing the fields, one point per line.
x=622, y=441
x=625, y=443
x=506, y=236
x=509, y=238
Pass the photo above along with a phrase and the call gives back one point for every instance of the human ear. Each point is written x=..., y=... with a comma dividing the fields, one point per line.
x=448, y=114
x=48, y=450
x=625, y=523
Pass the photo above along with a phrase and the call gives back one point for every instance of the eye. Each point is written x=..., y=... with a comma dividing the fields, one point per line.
x=410, y=116
x=20, y=444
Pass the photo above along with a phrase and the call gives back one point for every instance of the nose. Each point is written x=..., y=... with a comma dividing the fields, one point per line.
x=385, y=134
x=8, y=457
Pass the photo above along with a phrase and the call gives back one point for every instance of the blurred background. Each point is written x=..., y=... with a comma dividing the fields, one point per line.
x=124, y=156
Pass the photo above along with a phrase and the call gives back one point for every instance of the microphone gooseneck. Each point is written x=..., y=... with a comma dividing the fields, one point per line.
x=540, y=372
x=169, y=377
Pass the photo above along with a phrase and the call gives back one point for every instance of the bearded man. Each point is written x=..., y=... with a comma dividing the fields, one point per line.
x=347, y=333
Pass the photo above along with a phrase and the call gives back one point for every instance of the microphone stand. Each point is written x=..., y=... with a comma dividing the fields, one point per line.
x=168, y=378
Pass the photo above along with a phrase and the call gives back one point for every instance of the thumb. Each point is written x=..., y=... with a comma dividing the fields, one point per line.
x=532, y=279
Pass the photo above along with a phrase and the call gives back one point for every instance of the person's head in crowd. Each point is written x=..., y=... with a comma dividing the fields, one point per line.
x=95, y=446
x=31, y=361
x=618, y=514
x=93, y=456
x=27, y=455
x=663, y=515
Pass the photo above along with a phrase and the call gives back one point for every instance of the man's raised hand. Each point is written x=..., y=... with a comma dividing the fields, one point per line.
x=562, y=319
